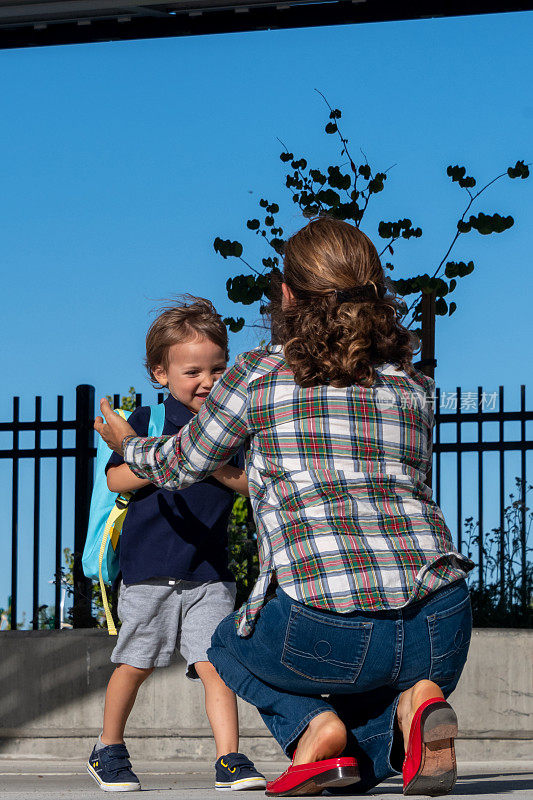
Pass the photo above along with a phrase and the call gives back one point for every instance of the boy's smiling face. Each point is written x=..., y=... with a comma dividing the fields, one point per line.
x=193, y=368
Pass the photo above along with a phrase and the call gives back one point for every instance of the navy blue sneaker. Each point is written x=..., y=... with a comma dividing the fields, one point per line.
x=110, y=766
x=235, y=771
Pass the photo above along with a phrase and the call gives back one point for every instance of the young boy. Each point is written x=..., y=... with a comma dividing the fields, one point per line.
x=176, y=586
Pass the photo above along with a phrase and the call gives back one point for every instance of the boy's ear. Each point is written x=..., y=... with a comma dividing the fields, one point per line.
x=160, y=374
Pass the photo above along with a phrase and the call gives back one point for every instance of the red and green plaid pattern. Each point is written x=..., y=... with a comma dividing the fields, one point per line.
x=344, y=519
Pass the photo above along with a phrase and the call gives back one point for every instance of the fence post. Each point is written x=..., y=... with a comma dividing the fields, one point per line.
x=83, y=483
x=428, y=362
x=13, y=621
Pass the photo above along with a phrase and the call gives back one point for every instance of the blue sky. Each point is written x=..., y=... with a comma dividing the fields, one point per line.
x=123, y=161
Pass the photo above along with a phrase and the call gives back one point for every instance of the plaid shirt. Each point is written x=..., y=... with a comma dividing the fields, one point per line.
x=336, y=475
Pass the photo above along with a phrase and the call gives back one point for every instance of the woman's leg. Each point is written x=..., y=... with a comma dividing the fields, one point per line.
x=431, y=645
x=364, y=662
x=285, y=714
x=294, y=656
x=411, y=700
x=440, y=628
x=324, y=737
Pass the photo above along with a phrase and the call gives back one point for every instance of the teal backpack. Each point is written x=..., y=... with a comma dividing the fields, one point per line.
x=100, y=558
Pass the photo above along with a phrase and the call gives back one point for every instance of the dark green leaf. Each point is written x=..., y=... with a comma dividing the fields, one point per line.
x=300, y=164
x=278, y=245
x=385, y=230
x=376, y=184
x=227, y=248
x=317, y=176
x=245, y=289
x=346, y=211
x=520, y=170
x=441, y=306
x=451, y=269
x=235, y=325
x=337, y=179
x=328, y=197
x=490, y=223
x=456, y=173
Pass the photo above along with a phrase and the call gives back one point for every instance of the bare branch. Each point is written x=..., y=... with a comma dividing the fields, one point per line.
x=257, y=272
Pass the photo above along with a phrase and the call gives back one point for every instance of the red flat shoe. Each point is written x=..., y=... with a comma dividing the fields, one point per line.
x=312, y=778
x=429, y=766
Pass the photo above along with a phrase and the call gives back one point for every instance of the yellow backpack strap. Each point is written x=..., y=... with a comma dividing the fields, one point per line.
x=112, y=531
x=108, y=616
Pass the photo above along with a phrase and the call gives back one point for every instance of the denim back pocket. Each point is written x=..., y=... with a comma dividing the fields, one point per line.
x=449, y=634
x=323, y=648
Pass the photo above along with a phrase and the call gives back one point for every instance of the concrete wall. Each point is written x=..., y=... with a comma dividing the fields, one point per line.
x=53, y=684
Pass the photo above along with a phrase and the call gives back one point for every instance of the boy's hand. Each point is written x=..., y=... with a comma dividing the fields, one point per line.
x=114, y=429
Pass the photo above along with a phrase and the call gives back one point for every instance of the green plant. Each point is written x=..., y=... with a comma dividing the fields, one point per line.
x=5, y=618
x=501, y=590
x=243, y=558
x=344, y=191
x=128, y=402
x=66, y=577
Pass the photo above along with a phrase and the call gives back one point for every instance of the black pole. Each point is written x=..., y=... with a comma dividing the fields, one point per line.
x=13, y=622
x=523, y=530
x=59, y=514
x=480, y=484
x=82, y=617
x=427, y=362
x=36, y=513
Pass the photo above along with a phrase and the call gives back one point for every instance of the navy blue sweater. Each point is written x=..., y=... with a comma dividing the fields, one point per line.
x=183, y=534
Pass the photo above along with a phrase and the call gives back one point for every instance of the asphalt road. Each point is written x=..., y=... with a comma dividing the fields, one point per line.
x=24, y=779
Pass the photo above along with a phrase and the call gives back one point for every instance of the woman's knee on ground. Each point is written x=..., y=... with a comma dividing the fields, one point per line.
x=224, y=632
x=221, y=642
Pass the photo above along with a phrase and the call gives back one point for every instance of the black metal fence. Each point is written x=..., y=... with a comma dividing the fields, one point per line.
x=453, y=410
x=477, y=410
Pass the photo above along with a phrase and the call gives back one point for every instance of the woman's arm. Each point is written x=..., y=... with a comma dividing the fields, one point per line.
x=122, y=479
x=207, y=442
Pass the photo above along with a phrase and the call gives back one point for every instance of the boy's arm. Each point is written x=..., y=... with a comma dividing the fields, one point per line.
x=120, y=478
x=233, y=477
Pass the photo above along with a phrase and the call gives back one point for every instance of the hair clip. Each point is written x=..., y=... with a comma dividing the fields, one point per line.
x=357, y=294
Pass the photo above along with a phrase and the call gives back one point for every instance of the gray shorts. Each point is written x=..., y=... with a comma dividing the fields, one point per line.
x=159, y=616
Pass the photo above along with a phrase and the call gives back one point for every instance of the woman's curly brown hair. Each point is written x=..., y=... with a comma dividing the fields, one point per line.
x=341, y=320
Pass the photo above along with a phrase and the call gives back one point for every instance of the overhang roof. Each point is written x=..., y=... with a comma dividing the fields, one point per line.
x=26, y=23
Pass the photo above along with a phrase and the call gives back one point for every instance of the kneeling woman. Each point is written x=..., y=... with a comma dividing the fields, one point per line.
x=359, y=624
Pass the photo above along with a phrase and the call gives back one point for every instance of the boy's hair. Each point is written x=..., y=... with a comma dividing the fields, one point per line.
x=184, y=320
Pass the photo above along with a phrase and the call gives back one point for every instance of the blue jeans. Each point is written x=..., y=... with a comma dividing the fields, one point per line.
x=361, y=661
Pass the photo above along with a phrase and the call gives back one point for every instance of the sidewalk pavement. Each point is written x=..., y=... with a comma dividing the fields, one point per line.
x=31, y=779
